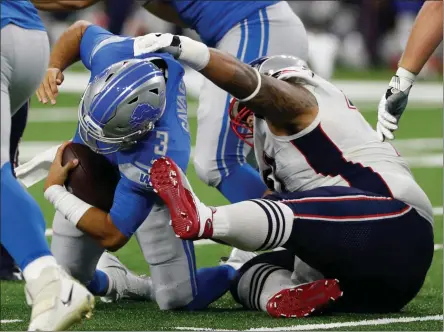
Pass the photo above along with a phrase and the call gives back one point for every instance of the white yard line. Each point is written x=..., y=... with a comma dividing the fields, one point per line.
x=314, y=327
x=425, y=161
x=438, y=211
x=185, y=328
x=9, y=321
x=306, y=327
x=419, y=144
x=52, y=114
x=371, y=322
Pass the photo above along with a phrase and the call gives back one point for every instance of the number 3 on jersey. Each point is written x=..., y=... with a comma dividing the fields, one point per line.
x=269, y=177
x=161, y=148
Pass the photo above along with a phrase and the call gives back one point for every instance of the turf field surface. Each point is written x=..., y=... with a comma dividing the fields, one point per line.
x=419, y=140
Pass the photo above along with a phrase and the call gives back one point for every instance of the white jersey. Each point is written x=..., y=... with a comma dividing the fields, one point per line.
x=339, y=148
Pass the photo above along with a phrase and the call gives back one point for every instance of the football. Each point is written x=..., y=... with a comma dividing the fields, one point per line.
x=94, y=180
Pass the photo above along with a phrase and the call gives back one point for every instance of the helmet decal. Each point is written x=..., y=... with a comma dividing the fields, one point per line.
x=141, y=113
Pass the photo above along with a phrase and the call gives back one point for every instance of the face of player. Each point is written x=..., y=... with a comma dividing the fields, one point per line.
x=250, y=121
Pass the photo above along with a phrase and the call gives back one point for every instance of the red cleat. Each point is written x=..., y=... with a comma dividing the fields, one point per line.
x=304, y=300
x=167, y=183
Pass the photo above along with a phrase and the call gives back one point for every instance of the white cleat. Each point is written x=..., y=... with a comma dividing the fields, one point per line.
x=238, y=258
x=57, y=300
x=123, y=284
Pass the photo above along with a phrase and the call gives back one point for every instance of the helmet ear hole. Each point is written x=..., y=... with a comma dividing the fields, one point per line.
x=132, y=101
x=155, y=91
x=108, y=78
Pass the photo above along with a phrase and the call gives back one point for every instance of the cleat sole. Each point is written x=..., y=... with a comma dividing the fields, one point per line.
x=166, y=182
x=306, y=300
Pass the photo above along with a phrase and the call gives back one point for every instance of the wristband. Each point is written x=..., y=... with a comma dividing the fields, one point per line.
x=195, y=54
x=255, y=92
x=72, y=207
x=404, y=73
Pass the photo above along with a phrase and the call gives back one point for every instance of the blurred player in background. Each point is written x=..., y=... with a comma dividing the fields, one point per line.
x=58, y=301
x=133, y=111
x=425, y=37
x=8, y=268
x=340, y=199
x=247, y=30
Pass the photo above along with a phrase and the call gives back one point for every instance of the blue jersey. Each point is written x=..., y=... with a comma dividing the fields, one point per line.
x=21, y=13
x=134, y=197
x=213, y=19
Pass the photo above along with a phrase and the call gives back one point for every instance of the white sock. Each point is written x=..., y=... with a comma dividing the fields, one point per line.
x=277, y=281
x=258, y=224
x=260, y=283
x=35, y=268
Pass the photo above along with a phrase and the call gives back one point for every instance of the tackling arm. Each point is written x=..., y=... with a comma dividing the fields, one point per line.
x=280, y=102
x=427, y=33
x=289, y=107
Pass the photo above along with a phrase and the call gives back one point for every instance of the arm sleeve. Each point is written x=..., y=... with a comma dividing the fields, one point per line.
x=92, y=37
x=131, y=207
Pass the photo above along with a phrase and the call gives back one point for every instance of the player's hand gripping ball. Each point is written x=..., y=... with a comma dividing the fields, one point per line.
x=86, y=174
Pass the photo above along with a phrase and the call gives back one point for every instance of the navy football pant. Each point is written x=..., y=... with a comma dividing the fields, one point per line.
x=379, y=248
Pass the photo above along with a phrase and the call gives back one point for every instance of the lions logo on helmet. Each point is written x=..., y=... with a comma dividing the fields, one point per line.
x=121, y=105
x=141, y=113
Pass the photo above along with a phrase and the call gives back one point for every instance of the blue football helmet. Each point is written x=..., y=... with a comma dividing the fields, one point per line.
x=121, y=105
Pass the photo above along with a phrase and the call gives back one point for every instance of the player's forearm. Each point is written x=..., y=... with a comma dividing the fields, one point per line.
x=89, y=219
x=231, y=75
x=427, y=33
x=98, y=224
x=66, y=51
x=62, y=5
x=278, y=101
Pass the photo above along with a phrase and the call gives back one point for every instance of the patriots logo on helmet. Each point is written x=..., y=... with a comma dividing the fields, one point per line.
x=142, y=113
